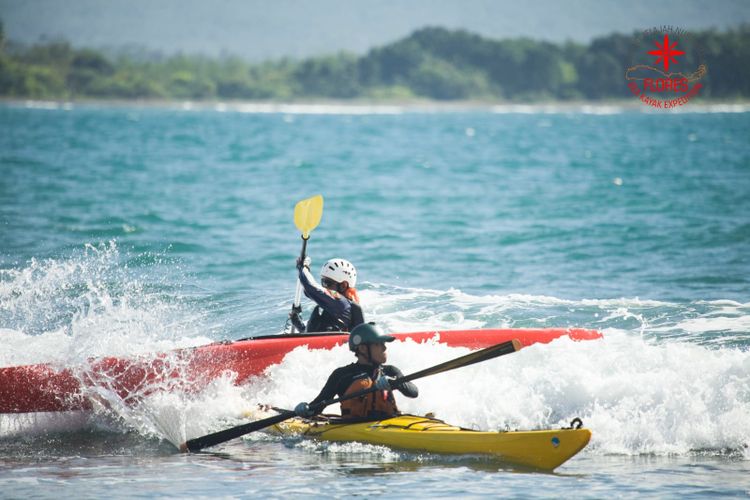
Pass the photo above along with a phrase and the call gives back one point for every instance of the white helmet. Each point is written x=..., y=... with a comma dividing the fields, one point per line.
x=340, y=270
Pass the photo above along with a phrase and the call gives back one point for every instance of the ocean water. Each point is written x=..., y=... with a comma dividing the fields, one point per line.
x=134, y=230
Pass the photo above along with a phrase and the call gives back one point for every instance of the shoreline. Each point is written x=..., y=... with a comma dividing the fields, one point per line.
x=370, y=107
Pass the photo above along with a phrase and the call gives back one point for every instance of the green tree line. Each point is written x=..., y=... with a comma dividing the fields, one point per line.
x=433, y=63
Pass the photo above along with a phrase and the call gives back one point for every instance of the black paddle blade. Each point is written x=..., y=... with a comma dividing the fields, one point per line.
x=199, y=443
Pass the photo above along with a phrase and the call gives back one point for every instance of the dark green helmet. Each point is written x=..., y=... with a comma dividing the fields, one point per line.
x=367, y=333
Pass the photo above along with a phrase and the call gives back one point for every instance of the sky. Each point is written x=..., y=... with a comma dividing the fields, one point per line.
x=258, y=30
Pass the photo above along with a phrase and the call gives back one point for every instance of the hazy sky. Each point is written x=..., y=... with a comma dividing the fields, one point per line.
x=269, y=29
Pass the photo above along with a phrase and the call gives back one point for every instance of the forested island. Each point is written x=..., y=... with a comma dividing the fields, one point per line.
x=431, y=63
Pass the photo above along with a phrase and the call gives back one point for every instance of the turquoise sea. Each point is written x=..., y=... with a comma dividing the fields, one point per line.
x=128, y=230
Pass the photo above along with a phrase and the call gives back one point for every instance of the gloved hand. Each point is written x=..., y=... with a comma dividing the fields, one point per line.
x=303, y=410
x=296, y=319
x=382, y=383
x=304, y=263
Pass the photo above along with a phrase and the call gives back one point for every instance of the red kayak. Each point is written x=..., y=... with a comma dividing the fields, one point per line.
x=42, y=388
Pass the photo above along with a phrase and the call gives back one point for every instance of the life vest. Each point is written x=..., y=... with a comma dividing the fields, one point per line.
x=323, y=321
x=374, y=404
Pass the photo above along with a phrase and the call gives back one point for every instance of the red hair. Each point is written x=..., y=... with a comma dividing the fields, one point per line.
x=351, y=294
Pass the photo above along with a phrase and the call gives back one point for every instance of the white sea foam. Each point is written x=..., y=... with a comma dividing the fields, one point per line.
x=317, y=109
x=739, y=324
x=50, y=105
x=714, y=108
x=20, y=348
x=720, y=316
x=562, y=108
x=636, y=396
x=612, y=109
x=30, y=424
x=639, y=392
x=68, y=310
x=387, y=295
x=410, y=309
x=647, y=387
x=373, y=108
x=177, y=415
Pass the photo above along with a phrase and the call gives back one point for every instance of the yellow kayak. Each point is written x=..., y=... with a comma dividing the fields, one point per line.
x=544, y=449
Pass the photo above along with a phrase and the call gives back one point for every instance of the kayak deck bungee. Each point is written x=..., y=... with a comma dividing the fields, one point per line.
x=540, y=449
x=44, y=388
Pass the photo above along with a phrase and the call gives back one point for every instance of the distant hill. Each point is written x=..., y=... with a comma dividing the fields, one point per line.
x=258, y=31
x=433, y=63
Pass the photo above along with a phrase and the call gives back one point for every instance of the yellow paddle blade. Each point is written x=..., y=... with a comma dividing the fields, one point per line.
x=307, y=214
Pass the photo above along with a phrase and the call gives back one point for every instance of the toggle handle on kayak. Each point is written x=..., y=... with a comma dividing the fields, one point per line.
x=576, y=423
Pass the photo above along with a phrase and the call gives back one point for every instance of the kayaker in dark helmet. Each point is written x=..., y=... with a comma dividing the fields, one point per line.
x=367, y=341
x=337, y=308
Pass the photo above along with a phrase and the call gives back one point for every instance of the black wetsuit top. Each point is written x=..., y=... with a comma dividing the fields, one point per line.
x=343, y=377
x=334, y=312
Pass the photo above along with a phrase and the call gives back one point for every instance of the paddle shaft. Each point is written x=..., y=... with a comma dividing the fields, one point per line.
x=298, y=293
x=219, y=437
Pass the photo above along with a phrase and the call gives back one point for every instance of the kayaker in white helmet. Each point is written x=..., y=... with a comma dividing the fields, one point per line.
x=337, y=308
x=367, y=342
